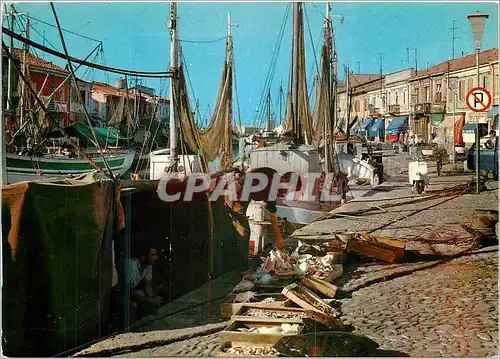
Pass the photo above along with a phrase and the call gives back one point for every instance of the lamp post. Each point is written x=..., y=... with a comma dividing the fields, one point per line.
x=477, y=21
x=452, y=85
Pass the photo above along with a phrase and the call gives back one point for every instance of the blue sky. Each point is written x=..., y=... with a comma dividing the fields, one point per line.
x=135, y=36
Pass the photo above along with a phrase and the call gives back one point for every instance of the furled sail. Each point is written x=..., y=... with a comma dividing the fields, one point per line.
x=304, y=132
x=215, y=139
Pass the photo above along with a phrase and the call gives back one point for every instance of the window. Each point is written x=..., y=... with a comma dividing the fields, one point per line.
x=485, y=82
x=437, y=97
x=417, y=94
x=404, y=97
x=495, y=86
x=470, y=84
x=356, y=105
x=397, y=98
x=84, y=97
x=426, y=94
x=461, y=90
x=389, y=98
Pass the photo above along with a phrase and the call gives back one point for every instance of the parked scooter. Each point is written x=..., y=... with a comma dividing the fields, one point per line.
x=417, y=172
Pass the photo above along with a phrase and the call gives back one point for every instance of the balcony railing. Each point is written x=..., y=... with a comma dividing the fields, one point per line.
x=438, y=107
x=54, y=105
x=421, y=108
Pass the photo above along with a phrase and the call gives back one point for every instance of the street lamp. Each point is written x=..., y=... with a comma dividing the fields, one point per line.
x=477, y=21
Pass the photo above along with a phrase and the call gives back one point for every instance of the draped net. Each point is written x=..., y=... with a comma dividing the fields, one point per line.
x=215, y=139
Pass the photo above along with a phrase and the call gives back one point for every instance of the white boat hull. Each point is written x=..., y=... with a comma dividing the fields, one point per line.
x=25, y=168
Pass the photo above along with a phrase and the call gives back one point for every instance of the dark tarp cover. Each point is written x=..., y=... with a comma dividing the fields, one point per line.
x=57, y=264
x=80, y=130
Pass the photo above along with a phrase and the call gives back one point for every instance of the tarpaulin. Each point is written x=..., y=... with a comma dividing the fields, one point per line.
x=57, y=264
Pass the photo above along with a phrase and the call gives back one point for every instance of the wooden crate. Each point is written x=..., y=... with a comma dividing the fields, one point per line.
x=385, y=249
x=229, y=309
x=239, y=314
x=307, y=299
x=237, y=338
x=319, y=285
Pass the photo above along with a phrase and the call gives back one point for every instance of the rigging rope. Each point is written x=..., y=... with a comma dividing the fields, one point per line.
x=68, y=31
x=203, y=41
x=79, y=96
x=150, y=74
x=270, y=74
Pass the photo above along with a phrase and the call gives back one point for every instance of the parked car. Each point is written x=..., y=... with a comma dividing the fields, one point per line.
x=488, y=159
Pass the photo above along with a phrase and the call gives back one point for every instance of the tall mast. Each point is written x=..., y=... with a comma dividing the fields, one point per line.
x=280, y=98
x=269, y=126
x=23, y=102
x=326, y=136
x=174, y=57
x=295, y=71
x=347, y=111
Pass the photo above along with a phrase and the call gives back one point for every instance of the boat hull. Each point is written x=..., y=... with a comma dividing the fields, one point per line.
x=25, y=168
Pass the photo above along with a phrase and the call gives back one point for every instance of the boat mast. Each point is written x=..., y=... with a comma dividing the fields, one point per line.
x=23, y=102
x=269, y=126
x=326, y=137
x=347, y=108
x=295, y=71
x=174, y=57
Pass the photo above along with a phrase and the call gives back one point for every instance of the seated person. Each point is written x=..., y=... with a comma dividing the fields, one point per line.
x=140, y=274
x=491, y=142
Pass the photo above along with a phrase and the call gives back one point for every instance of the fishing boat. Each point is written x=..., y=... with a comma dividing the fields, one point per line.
x=308, y=143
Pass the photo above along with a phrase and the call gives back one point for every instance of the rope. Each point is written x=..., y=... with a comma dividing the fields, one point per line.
x=270, y=74
x=203, y=41
x=70, y=66
x=150, y=74
x=236, y=91
x=68, y=31
x=40, y=103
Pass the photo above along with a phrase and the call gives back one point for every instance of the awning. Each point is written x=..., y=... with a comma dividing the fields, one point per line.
x=470, y=127
x=493, y=111
x=377, y=128
x=436, y=119
x=366, y=123
x=399, y=124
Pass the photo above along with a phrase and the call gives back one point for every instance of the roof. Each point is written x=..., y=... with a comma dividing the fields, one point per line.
x=464, y=62
x=362, y=83
x=110, y=90
x=35, y=61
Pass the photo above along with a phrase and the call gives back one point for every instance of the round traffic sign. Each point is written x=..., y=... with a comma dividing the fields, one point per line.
x=478, y=99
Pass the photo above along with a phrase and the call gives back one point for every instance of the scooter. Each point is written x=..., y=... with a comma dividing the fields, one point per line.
x=417, y=173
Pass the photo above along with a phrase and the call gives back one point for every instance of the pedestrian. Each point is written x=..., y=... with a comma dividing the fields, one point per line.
x=140, y=275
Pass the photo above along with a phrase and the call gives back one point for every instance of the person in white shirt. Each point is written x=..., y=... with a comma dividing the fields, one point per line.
x=140, y=275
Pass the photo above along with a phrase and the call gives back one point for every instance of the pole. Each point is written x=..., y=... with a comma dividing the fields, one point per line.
x=478, y=144
x=347, y=109
x=174, y=57
x=268, y=123
x=453, y=158
x=9, y=103
x=325, y=133
x=295, y=70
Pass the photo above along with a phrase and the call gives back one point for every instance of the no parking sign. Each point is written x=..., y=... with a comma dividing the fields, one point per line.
x=478, y=99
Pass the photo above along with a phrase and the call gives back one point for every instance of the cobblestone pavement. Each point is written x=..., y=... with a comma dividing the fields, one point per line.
x=449, y=310
x=204, y=346
x=430, y=305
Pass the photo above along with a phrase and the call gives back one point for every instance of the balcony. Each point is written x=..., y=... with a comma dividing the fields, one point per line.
x=54, y=105
x=438, y=107
x=394, y=109
x=422, y=108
